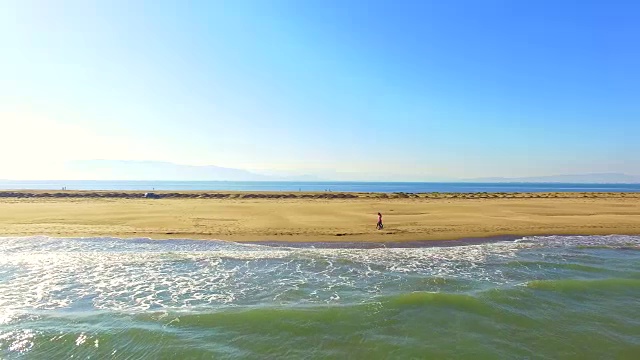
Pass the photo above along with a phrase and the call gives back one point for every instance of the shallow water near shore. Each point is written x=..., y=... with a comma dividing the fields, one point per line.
x=534, y=297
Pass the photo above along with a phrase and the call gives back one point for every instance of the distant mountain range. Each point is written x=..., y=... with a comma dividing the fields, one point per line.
x=158, y=170
x=602, y=178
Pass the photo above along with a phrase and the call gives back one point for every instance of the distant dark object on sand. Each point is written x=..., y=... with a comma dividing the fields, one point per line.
x=151, y=195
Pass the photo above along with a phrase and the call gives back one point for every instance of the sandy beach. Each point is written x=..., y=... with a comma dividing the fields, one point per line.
x=304, y=217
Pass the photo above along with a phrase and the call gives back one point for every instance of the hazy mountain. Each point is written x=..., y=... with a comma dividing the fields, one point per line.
x=603, y=178
x=158, y=170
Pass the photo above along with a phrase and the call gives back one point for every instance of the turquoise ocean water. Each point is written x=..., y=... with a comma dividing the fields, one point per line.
x=345, y=186
x=557, y=297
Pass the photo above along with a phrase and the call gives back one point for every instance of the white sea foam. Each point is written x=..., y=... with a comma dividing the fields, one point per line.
x=42, y=273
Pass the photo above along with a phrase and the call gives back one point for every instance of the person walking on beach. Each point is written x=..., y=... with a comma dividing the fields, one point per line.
x=379, y=226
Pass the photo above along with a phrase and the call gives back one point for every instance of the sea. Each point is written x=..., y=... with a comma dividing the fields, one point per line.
x=539, y=297
x=379, y=187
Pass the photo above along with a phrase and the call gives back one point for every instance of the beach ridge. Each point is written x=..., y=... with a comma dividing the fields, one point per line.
x=132, y=194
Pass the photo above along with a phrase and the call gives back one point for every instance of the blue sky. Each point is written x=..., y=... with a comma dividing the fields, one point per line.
x=360, y=90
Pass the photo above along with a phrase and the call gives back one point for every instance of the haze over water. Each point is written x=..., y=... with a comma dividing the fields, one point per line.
x=536, y=297
x=345, y=186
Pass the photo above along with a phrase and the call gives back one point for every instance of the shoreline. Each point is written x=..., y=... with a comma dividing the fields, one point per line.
x=284, y=217
x=387, y=244
x=409, y=244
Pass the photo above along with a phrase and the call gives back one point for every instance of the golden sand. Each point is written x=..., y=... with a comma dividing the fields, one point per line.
x=292, y=217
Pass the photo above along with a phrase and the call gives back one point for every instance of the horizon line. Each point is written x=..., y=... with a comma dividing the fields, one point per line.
x=329, y=181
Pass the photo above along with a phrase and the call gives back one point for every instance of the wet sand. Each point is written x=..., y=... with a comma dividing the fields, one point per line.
x=315, y=217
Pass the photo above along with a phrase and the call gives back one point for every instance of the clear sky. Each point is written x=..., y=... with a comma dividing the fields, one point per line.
x=398, y=90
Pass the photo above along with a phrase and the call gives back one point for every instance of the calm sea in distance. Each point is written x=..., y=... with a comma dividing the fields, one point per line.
x=382, y=187
x=555, y=297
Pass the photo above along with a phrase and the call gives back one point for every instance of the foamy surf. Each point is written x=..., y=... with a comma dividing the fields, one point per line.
x=141, y=298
